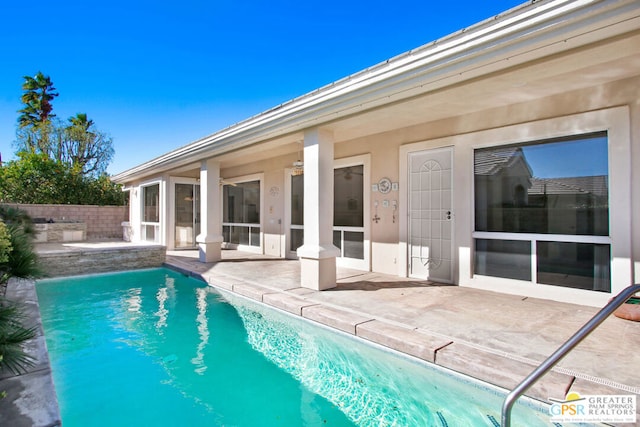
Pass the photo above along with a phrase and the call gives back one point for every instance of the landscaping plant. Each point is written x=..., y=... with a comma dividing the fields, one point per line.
x=17, y=259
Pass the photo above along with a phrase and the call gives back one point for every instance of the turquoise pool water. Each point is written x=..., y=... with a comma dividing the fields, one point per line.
x=157, y=348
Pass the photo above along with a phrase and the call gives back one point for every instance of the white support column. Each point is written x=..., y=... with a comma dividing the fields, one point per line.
x=210, y=237
x=317, y=254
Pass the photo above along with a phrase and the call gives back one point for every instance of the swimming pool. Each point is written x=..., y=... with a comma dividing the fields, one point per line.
x=155, y=347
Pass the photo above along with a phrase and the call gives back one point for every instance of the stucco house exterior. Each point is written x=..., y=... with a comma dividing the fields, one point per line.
x=502, y=157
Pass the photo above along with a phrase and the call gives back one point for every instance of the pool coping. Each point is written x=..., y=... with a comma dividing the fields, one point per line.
x=31, y=399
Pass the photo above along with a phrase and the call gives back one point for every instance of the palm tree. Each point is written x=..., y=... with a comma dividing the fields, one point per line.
x=35, y=117
x=37, y=97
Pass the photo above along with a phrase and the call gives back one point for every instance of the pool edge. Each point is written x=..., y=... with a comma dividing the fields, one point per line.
x=31, y=399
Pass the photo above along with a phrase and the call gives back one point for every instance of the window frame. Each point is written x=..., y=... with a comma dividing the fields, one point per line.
x=614, y=121
x=361, y=264
x=157, y=238
x=251, y=226
x=534, y=237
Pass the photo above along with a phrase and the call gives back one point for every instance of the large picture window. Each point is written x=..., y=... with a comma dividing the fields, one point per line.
x=241, y=213
x=546, y=203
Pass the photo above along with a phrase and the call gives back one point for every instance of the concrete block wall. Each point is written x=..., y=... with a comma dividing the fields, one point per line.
x=103, y=222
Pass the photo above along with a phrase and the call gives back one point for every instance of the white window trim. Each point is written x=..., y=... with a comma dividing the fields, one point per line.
x=171, y=220
x=365, y=161
x=159, y=237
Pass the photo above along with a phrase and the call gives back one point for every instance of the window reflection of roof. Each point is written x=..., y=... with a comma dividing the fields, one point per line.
x=491, y=162
x=597, y=185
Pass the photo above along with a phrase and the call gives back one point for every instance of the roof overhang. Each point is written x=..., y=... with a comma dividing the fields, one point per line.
x=519, y=36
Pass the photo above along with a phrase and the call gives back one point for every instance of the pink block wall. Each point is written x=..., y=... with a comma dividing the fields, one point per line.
x=103, y=222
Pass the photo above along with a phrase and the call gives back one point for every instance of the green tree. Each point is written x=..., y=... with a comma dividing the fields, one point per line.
x=77, y=143
x=34, y=121
x=85, y=147
x=36, y=178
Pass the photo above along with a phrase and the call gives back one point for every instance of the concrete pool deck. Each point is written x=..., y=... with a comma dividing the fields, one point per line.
x=491, y=336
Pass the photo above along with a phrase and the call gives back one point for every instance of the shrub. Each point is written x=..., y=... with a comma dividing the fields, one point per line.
x=17, y=258
x=12, y=335
x=5, y=250
x=21, y=260
x=5, y=243
x=11, y=215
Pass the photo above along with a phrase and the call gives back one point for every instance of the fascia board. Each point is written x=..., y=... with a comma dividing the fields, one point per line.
x=485, y=47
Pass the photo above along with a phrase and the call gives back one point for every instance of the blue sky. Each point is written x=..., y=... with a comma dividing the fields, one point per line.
x=157, y=75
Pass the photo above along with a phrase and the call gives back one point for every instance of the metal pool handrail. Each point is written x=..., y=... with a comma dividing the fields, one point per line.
x=563, y=350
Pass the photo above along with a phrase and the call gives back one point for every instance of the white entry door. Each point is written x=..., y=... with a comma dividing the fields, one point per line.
x=430, y=224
